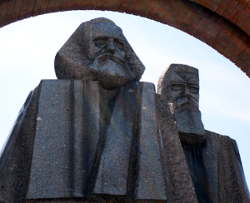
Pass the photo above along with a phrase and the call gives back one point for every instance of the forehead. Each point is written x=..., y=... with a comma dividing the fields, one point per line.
x=106, y=29
x=186, y=75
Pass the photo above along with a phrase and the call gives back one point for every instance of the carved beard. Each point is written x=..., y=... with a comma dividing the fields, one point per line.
x=110, y=70
x=188, y=121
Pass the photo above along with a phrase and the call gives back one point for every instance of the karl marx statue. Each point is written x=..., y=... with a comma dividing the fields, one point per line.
x=213, y=160
x=98, y=51
x=91, y=135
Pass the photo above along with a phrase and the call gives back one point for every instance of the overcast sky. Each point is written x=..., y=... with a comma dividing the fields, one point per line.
x=28, y=48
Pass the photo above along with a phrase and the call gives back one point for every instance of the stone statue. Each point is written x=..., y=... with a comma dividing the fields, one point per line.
x=213, y=160
x=97, y=134
x=91, y=135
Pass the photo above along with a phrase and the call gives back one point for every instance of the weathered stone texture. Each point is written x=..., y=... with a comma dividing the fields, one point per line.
x=15, y=161
x=179, y=184
x=85, y=141
x=213, y=161
x=96, y=200
x=222, y=24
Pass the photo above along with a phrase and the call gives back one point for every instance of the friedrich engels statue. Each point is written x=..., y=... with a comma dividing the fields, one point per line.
x=213, y=160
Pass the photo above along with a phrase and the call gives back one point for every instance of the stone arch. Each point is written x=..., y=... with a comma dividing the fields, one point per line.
x=222, y=24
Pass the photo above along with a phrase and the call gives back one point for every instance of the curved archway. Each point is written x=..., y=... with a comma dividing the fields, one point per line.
x=209, y=21
x=236, y=11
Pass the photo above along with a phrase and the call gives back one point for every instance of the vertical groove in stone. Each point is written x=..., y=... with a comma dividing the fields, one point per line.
x=86, y=120
x=114, y=164
x=210, y=157
x=134, y=153
x=150, y=180
x=91, y=122
x=77, y=139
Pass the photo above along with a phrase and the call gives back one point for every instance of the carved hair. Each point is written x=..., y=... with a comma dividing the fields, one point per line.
x=72, y=60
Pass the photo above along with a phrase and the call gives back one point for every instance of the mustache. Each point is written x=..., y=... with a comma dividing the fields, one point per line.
x=184, y=101
x=109, y=56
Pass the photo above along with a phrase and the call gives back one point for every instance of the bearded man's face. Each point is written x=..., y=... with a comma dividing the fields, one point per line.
x=109, y=55
x=109, y=48
x=108, y=51
x=185, y=90
x=181, y=86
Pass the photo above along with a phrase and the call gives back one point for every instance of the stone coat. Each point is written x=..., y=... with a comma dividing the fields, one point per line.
x=216, y=170
x=75, y=139
x=77, y=142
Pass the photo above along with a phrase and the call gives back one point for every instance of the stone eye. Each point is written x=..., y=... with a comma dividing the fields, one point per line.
x=194, y=89
x=100, y=42
x=119, y=44
x=177, y=86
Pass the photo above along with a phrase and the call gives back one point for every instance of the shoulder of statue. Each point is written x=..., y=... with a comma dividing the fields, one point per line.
x=219, y=137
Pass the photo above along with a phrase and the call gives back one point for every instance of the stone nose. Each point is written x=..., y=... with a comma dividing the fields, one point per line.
x=110, y=45
x=187, y=90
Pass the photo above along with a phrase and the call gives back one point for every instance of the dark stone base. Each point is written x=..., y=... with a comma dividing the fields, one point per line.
x=101, y=199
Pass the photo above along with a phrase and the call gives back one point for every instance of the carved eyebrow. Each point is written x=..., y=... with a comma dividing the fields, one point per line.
x=177, y=86
x=193, y=83
x=100, y=41
x=118, y=40
x=101, y=38
x=188, y=76
x=104, y=39
x=177, y=83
